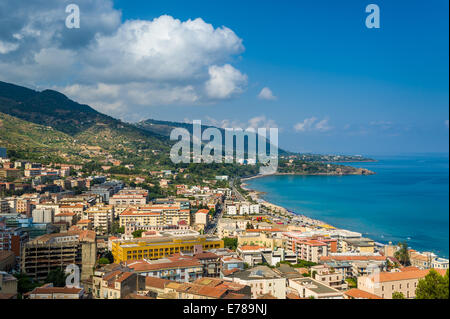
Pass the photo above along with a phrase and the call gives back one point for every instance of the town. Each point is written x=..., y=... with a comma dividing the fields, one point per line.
x=155, y=238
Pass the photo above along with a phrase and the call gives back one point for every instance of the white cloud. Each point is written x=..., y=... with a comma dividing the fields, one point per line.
x=446, y=123
x=266, y=94
x=313, y=124
x=254, y=122
x=158, y=62
x=6, y=47
x=225, y=82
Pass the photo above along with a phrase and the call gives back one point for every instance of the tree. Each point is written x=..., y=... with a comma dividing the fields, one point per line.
x=398, y=295
x=402, y=254
x=108, y=255
x=25, y=283
x=57, y=277
x=433, y=286
x=230, y=242
x=137, y=233
x=103, y=261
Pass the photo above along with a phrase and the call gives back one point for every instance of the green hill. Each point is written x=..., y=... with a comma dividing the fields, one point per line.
x=49, y=127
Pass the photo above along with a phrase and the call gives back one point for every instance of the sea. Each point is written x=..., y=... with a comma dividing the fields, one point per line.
x=406, y=200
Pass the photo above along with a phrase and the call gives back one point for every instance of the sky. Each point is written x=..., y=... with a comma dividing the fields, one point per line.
x=311, y=68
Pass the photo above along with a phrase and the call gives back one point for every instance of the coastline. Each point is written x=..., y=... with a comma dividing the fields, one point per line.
x=359, y=172
x=258, y=196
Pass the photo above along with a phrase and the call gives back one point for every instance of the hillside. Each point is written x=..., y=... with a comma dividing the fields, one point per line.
x=47, y=126
x=36, y=141
x=165, y=127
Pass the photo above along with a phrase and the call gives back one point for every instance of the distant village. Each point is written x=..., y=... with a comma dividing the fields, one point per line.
x=202, y=242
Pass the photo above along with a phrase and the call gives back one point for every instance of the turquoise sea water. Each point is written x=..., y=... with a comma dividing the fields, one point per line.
x=407, y=199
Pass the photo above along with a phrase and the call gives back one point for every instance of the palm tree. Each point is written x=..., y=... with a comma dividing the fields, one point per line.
x=402, y=254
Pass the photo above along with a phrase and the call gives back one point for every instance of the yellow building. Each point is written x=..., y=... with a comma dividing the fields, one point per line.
x=267, y=238
x=159, y=247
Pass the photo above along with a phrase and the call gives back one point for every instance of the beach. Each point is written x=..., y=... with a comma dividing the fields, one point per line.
x=407, y=200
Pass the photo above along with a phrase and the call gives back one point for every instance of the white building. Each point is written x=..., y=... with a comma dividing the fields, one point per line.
x=43, y=215
x=254, y=209
x=231, y=210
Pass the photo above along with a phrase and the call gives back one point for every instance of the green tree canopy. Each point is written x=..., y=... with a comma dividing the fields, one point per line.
x=230, y=242
x=398, y=295
x=57, y=277
x=103, y=261
x=402, y=254
x=433, y=286
x=137, y=233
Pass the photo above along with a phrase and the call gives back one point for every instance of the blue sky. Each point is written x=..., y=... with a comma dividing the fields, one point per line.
x=339, y=87
x=321, y=61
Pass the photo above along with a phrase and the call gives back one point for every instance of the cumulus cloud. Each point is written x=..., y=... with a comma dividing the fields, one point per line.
x=255, y=122
x=446, y=123
x=313, y=124
x=115, y=65
x=225, y=82
x=266, y=94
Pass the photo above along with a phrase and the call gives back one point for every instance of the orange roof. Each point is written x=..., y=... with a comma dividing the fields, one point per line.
x=46, y=289
x=156, y=282
x=202, y=211
x=360, y=294
x=409, y=268
x=406, y=275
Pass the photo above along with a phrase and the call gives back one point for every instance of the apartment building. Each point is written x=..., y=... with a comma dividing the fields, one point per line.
x=310, y=288
x=175, y=268
x=116, y=284
x=48, y=291
x=202, y=217
x=384, y=284
x=329, y=276
x=262, y=280
x=12, y=239
x=355, y=265
x=427, y=260
x=128, y=199
x=4, y=207
x=360, y=245
x=159, y=247
x=309, y=248
x=155, y=215
x=53, y=251
x=102, y=217
x=43, y=215
x=269, y=238
x=12, y=173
